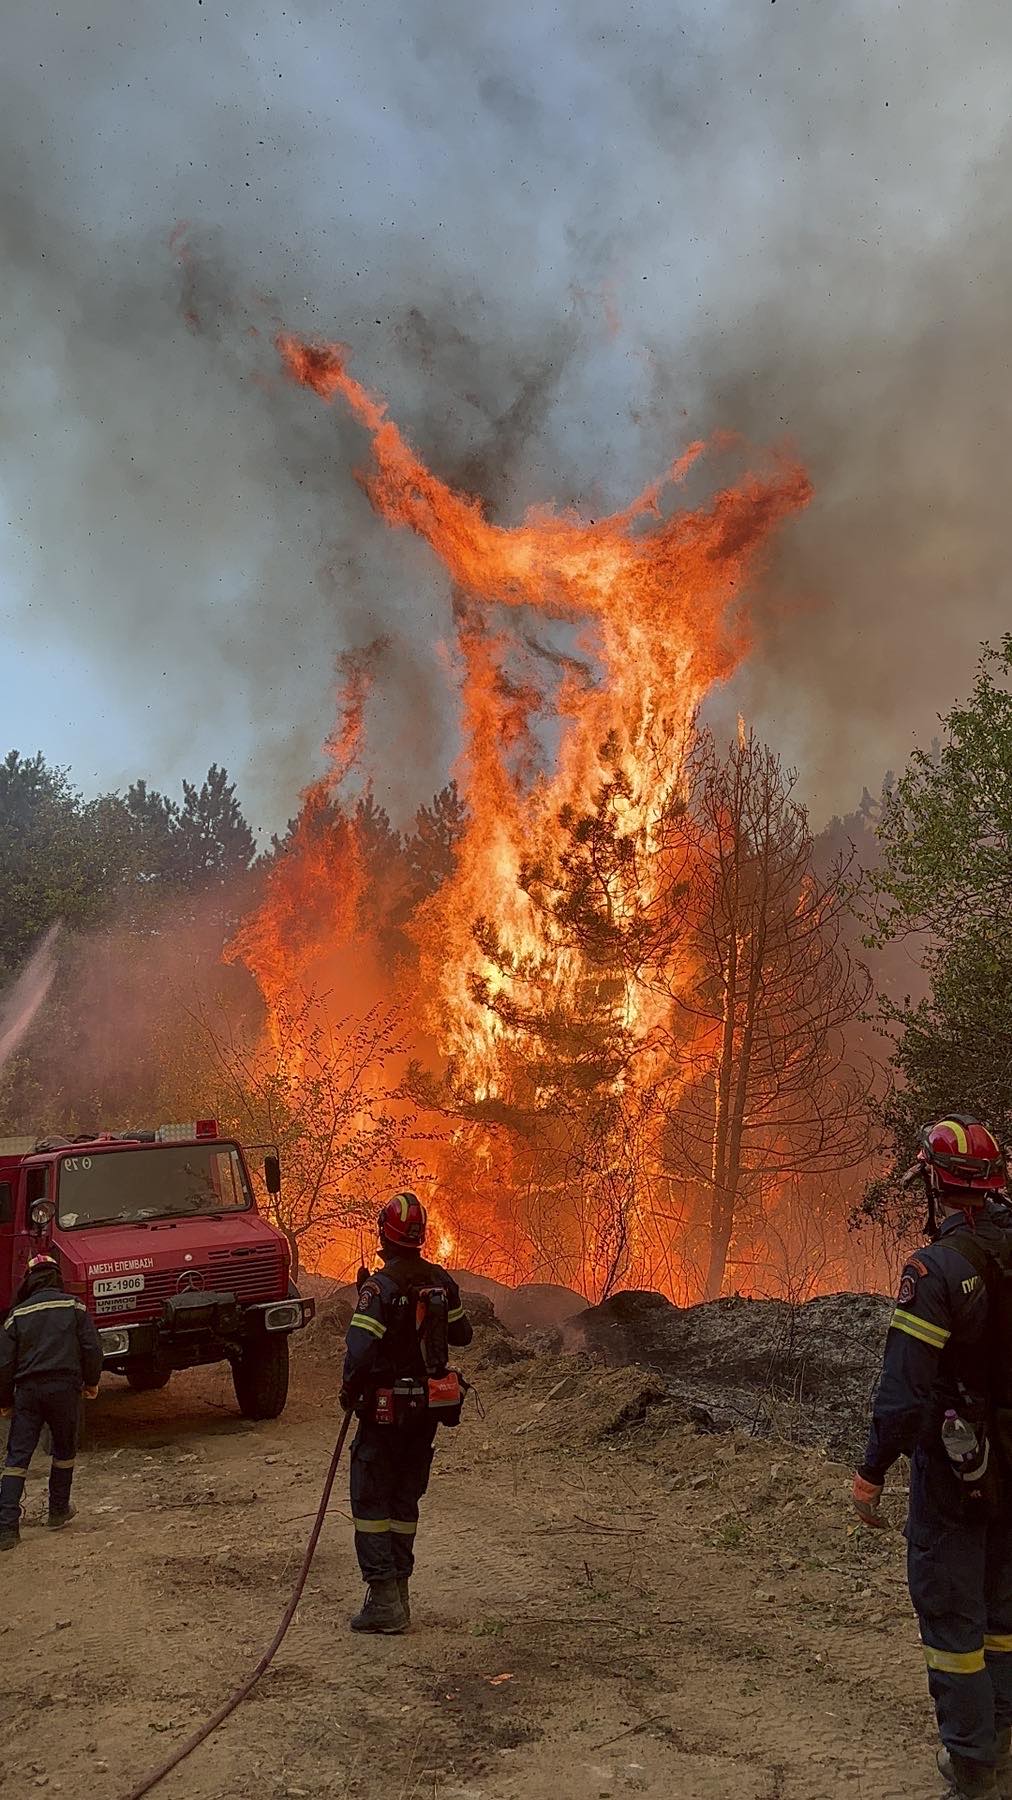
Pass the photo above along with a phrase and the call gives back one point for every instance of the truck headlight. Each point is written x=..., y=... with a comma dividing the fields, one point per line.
x=115, y=1343
x=286, y=1316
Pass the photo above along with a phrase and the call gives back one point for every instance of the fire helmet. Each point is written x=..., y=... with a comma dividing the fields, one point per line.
x=402, y=1221
x=962, y=1154
x=42, y=1261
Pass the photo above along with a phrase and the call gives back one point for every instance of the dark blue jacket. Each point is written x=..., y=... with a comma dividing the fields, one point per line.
x=936, y=1350
x=373, y=1359
x=48, y=1332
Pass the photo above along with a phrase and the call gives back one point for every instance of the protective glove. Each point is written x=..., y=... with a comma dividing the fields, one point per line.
x=865, y=1497
x=347, y=1399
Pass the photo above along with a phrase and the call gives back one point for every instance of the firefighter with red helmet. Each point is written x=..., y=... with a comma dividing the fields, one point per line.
x=935, y=1391
x=395, y=1376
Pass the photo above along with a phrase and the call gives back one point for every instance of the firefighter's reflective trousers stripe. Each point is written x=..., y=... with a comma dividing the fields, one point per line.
x=389, y=1474
x=40, y=1400
x=959, y=1567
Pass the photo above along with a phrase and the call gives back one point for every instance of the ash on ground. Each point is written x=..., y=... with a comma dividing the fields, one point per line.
x=804, y=1373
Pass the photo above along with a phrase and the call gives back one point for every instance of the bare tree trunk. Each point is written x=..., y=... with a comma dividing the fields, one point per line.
x=721, y=1227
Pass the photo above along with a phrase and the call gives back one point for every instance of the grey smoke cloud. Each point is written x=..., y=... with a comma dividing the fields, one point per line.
x=561, y=241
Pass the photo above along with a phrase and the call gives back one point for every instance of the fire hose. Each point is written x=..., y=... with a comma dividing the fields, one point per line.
x=236, y=1699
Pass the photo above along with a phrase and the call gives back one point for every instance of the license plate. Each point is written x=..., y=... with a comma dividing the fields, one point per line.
x=122, y=1303
x=123, y=1284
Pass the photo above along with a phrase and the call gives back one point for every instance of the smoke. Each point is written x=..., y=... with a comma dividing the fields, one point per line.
x=562, y=241
x=25, y=994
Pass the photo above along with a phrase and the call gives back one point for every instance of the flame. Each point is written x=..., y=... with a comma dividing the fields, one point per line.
x=645, y=607
x=446, y=1244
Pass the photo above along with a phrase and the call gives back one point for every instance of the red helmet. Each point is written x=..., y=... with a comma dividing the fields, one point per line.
x=963, y=1154
x=403, y=1221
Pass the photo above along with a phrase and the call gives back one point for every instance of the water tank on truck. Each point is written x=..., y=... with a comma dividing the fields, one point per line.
x=159, y=1233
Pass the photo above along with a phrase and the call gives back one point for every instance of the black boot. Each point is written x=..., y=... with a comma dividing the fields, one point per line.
x=404, y=1589
x=382, y=1611
x=969, y=1780
x=57, y=1520
x=10, y=1537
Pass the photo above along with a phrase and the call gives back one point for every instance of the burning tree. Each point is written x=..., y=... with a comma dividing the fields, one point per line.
x=325, y=1092
x=543, y=981
x=774, y=1092
x=575, y=1082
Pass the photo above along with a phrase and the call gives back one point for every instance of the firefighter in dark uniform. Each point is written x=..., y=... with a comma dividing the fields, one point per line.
x=392, y=1456
x=959, y=1535
x=49, y=1351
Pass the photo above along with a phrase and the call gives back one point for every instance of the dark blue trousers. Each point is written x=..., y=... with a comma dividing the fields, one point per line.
x=959, y=1567
x=40, y=1400
x=390, y=1467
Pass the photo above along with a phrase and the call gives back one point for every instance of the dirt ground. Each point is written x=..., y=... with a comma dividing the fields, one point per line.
x=606, y=1605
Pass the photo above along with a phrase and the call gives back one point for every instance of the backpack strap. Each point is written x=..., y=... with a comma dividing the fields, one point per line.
x=990, y=1261
x=986, y=1262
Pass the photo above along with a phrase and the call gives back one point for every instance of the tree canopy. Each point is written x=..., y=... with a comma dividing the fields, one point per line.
x=942, y=887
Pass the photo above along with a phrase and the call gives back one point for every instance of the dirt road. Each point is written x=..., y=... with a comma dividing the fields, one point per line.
x=599, y=1612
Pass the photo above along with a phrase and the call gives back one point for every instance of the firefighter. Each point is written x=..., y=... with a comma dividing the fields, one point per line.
x=49, y=1351
x=390, y=1461
x=959, y=1538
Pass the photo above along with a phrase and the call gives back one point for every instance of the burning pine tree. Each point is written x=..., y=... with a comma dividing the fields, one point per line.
x=559, y=1032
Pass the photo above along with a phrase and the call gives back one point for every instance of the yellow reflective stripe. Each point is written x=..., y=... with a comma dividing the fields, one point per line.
x=954, y=1662
x=456, y=1313
x=958, y=1133
x=999, y=1643
x=15, y=1474
x=363, y=1321
x=923, y=1329
x=372, y=1527
x=63, y=1463
x=404, y=1527
x=22, y=1312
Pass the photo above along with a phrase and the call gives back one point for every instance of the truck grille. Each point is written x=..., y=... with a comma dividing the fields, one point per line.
x=257, y=1273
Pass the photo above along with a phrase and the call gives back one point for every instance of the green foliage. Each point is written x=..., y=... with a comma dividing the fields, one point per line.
x=60, y=854
x=943, y=886
x=83, y=861
x=211, y=839
x=946, y=826
x=112, y=871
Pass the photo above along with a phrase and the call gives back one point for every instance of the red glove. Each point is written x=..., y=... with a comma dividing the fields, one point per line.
x=865, y=1496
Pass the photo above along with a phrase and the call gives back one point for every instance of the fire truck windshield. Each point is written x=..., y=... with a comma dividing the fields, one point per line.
x=165, y=1181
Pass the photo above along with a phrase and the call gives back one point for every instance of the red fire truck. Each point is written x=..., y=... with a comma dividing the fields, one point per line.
x=159, y=1234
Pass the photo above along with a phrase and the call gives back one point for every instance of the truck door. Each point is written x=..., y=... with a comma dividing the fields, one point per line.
x=37, y=1186
x=8, y=1196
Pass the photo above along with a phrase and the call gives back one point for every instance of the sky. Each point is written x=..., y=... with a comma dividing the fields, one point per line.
x=563, y=240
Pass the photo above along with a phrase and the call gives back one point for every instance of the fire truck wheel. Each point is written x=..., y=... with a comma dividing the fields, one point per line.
x=144, y=1378
x=260, y=1376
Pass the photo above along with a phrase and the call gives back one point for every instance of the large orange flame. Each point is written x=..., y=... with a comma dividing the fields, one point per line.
x=660, y=595
x=650, y=600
